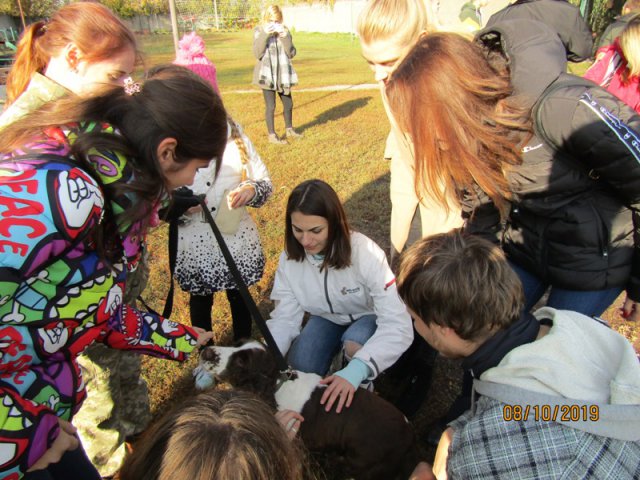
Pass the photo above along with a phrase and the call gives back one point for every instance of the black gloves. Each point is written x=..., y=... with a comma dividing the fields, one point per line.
x=182, y=200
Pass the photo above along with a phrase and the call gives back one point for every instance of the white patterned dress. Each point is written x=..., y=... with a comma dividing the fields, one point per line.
x=200, y=266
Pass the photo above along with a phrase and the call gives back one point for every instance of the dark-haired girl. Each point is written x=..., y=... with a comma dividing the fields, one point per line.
x=343, y=281
x=80, y=184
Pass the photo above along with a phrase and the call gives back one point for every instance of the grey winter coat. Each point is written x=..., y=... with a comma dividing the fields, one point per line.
x=559, y=15
x=260, y=43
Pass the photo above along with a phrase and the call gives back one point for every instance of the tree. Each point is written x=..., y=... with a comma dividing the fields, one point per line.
x=31, y=8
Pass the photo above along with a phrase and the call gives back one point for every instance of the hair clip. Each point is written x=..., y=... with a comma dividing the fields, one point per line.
x=131, y=87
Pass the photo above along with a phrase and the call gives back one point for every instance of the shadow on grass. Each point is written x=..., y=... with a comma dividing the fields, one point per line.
x=335, y=113
x=369, y=210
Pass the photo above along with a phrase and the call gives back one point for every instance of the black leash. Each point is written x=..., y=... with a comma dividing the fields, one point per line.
x=246, y=296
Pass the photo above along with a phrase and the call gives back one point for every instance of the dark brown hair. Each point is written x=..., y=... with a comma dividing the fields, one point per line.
x=172, y=103
x=315, y=197
x=462, y=282
x=96, y=31
x=217, y=435
x=465, y=125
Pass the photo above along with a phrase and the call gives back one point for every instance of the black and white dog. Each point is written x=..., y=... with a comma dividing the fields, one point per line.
x=371, y=440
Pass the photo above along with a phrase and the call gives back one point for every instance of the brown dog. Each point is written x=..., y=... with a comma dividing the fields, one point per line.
x=370, y=440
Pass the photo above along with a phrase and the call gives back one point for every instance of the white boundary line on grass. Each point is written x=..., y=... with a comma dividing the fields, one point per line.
x=328, y=88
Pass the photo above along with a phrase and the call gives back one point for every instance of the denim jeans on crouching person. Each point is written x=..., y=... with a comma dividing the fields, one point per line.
x=320, y=339
x=592, y=303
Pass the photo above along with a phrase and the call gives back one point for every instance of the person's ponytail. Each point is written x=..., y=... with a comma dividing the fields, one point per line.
x=28, y=60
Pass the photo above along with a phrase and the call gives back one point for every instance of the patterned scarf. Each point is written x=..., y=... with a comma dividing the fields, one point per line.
x=276, y=70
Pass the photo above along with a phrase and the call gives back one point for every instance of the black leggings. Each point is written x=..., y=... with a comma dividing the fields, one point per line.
x=270, y=104
x=200, y=310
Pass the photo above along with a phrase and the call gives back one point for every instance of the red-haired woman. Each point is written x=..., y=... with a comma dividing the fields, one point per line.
x=564, y=206
x=83, y=46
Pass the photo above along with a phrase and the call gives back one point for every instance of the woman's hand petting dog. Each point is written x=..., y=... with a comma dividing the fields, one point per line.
x=290, y=421
x=338, y=389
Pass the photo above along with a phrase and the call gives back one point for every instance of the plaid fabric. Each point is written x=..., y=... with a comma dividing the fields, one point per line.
x=276, y=70
x=486, y=446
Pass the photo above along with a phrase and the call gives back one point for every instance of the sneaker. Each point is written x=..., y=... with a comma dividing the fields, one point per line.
x=273, y=138
x=291, y=133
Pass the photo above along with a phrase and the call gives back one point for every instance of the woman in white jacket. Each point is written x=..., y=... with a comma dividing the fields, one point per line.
x=342, y=280
x=201, y=270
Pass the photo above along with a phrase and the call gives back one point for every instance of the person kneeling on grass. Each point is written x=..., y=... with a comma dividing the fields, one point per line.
x=557, y=395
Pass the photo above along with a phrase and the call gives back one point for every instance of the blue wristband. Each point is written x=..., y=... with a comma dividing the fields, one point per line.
x=355, y=372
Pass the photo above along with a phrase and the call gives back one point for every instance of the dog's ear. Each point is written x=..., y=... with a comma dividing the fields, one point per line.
x=253, y=359
x=209, y=354
x=241, y=359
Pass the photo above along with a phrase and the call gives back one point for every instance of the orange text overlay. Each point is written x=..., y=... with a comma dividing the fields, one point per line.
x=551, y=413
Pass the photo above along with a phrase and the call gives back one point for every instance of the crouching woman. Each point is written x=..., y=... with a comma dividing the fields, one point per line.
x=342, y=280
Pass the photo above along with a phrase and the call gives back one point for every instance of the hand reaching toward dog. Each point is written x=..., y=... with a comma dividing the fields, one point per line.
x=290, y=421
x=203, y=336
x=337, y=389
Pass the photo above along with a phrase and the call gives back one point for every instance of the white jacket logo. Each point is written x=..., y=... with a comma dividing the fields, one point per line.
x=346, y=290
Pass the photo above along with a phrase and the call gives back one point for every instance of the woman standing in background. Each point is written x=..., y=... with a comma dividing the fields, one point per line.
x=273, y=47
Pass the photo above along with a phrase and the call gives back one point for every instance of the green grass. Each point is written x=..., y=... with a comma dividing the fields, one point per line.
x=344, y=134
x=322, y=59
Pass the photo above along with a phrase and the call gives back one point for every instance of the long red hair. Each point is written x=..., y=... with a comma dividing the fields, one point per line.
x=466, y=127
x=92, y=27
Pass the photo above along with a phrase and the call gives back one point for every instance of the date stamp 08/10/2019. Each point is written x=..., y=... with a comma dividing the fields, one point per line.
x=551, y=413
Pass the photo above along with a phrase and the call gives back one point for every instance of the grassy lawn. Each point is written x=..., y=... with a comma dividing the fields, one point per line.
x=344, y=134
x=322, y=59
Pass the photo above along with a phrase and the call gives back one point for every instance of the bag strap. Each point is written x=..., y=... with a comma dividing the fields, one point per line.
x=246, y=296
x=173, y=253
x=565, y=80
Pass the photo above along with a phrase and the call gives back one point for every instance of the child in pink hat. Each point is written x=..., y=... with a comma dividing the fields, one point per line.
x=191, y=55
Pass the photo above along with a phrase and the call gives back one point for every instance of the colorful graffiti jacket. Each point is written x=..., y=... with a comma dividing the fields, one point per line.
x=56, y=295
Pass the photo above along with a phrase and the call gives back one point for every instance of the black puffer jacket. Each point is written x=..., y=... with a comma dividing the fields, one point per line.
x=559, y=15
x=569, y=229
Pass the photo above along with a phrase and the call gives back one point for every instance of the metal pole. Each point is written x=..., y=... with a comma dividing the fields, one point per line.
x=24, y=24
x=215, y=12
x=174, y=23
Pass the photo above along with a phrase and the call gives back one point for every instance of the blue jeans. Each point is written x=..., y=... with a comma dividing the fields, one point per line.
x=591, y=303
x=320, y=339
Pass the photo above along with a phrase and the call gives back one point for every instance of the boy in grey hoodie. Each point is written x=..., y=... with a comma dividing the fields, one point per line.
x=557, y=394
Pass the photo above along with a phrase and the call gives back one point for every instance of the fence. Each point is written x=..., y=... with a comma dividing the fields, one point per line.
x=216, y=14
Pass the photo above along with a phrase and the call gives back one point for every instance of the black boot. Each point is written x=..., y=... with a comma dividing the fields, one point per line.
x=200, y=312
x=240, y=315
